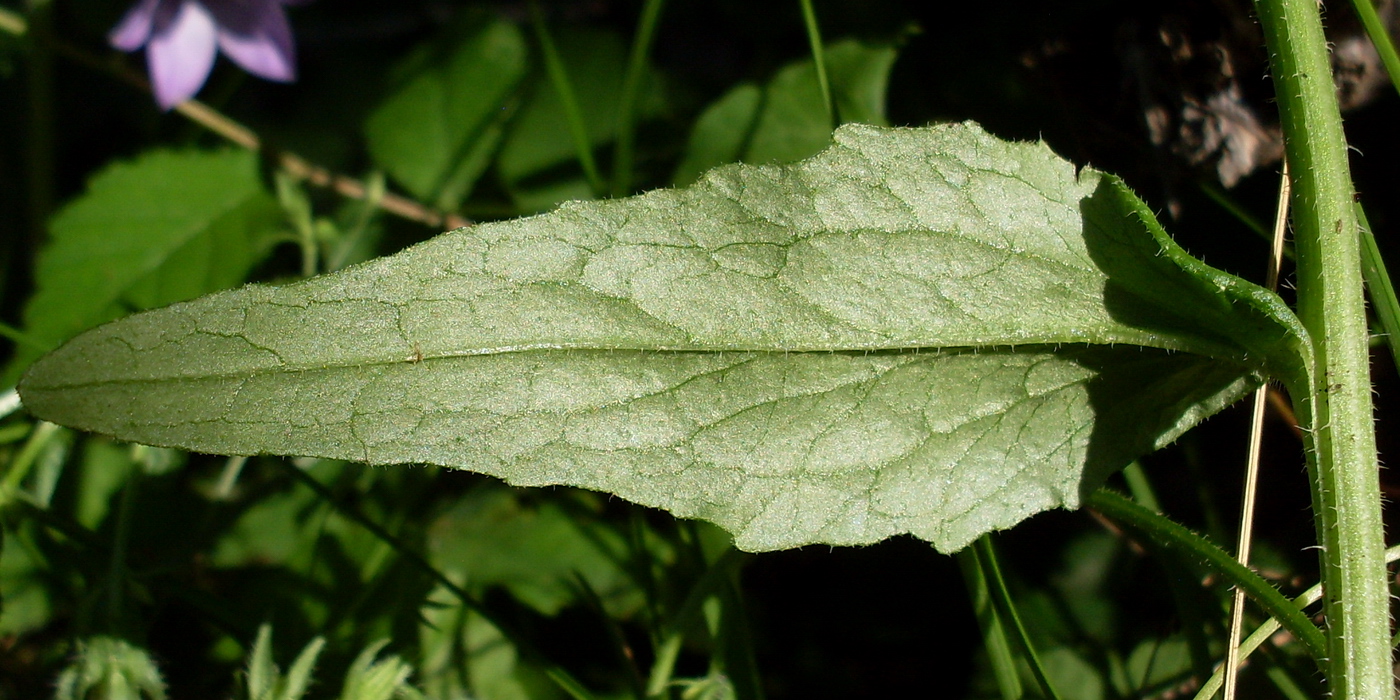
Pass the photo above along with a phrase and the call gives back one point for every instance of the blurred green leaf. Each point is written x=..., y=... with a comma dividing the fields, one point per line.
x=370, y=678
x=167, y=226
x=537, y=162
x=921, y=330
x=110, y=669
x=715, y=686
x=721, y=134
x=1084, y=587
x=1075, y=678
x=435, y=135
x=785, y=120
x=1157, y=666
x=860, y=77
x=298, y=556
x=262, y=673
x=792, y=123
x=318, y=572
x=465, y=656
x=26, y=593
x=104, y=470
x=298, y=678
x=276, y=530
x=533, y=549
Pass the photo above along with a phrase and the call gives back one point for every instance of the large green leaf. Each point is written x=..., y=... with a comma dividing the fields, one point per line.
x=168, y=226
x=919, y=330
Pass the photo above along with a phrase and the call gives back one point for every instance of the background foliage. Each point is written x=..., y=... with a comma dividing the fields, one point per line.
x=485, y=591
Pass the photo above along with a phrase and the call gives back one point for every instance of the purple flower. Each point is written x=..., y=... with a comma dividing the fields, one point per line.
x=182, y=36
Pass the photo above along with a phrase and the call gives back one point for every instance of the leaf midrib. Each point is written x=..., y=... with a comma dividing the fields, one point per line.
x=1050, y=346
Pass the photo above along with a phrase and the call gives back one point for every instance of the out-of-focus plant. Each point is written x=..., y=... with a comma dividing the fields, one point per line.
x=105, y=668
x=181, y=38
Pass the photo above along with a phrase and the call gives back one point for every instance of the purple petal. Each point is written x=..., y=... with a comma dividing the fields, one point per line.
x=255, y=34
x=135, y=28
x=181, y=53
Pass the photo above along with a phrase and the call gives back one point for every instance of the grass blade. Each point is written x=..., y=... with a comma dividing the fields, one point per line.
x=1383, y=300
x=627, y=106
x=814, y=37
x=559, y=78
x=1366, y=10
x=1006, y=609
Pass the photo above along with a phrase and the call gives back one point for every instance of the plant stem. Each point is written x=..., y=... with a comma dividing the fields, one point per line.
x=1271, y=626
x=116, y=565
x=1256, y=442
x=994, y=636
x=985, y=552
x=1337, y=405
x=1175, y=537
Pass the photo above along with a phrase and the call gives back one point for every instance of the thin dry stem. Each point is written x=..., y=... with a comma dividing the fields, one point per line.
x=1256, y=440
x=240, y=135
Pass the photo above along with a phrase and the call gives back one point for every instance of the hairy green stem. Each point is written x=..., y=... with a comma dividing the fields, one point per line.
x=1267, y=630
x=1337, y=404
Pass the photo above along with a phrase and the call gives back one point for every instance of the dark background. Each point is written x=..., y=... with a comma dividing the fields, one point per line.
x=878, y=621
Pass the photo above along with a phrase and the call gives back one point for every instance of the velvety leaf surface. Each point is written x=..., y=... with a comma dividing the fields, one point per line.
x=919, y=330
x=168, y=226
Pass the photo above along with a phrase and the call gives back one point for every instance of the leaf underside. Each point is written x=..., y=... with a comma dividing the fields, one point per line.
x=919, y=330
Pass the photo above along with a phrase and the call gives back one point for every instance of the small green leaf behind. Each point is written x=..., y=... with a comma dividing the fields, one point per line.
x=928, y=331
x=538, y=159
x=785, y=121
x=167, y=226
x=491, y=537
x=436, y=134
